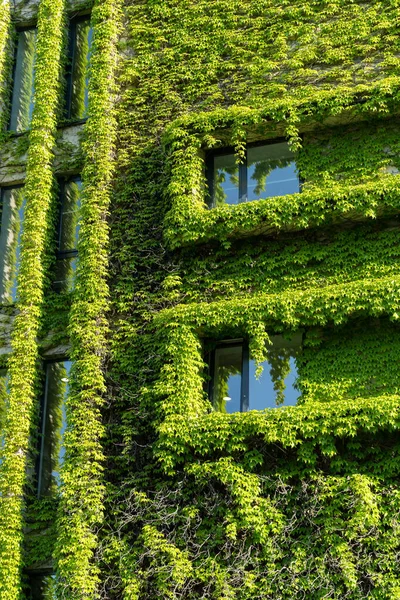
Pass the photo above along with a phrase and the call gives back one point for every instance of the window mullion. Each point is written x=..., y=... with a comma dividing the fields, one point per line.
x=243, y=180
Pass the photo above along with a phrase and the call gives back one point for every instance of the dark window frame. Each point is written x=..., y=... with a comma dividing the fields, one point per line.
x=18, y=30
x=36, y=573
x=62, y=182
x=245, y=370
x=71, y=50
x=242, y=171
x=4, y=188
x=42, y=420
x=8, y=187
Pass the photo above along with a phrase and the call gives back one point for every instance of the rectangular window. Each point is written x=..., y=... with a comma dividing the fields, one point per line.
x=79, y=50
x=53, y=424
x=13, y=206
x=233, y=386
x=268, y=170
x=23, y=80
x=4, y=391
x=41, y=586
x=68, y=233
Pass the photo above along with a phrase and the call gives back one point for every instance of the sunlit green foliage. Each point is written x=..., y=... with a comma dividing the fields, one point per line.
x=164, y=497
x=288, y=502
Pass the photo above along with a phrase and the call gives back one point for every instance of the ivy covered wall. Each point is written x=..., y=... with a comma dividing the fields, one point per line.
x=291, y=502
x=163, y=497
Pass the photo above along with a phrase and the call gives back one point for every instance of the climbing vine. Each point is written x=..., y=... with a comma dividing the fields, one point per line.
x=31, y=285
x=286, y=501
x=81, y=506
x=162, y=496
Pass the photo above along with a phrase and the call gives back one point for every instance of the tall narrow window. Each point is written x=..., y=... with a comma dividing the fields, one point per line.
x=53, y=424
x=4, y=390
x=12, y=219
x=268, y=170
x=23, y=80
x=233, y=384
x=80, y=44
x=68, y=232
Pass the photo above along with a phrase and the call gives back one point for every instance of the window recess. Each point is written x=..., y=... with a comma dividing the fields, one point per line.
x=42, y=586
x=233, y=386
x=23, y=86
x=52, y=426
x=67, y=234
x=4, y=391
x=12, y=206
x=269, y=170
x=80, y=35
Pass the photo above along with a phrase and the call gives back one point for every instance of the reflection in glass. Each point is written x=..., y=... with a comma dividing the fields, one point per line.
x=53, y=426
x=68, y=233
x=226, y=180
x=271, y=171
x=81, y=35
x=227, y=378
x=69, y=216
x=23, y=86
x=42, y=587
x=4, y=391
x=12, y=217
x=264, y=392
x=235, y=386
x=64, y=276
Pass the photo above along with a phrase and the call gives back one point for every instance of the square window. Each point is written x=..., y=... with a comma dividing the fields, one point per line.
x=271, y=171
x=23, y=80
x=13, y=206
x=233, y=385
x=268, y=170
x=79, y=50
x=53, y=425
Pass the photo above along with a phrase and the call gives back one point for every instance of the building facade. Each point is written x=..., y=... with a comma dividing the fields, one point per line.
x=199, y=288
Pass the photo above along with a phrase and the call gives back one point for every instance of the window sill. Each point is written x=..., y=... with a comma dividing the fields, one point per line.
x=288, y=427
x=190, y=222
x=71, y=123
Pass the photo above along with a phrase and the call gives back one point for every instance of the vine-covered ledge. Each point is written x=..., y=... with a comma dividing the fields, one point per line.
x=179, y=390
x=295, y=212
x=310, y=429
x=334, y=303
x=187, y=139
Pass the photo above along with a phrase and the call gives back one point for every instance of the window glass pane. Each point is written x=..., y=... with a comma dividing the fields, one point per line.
x=81, y=45
x=227, y=379
x=12, y=218
x=271, y=171
x=281, y=368
x=23, y=85
x=4, y=390
x=65, y=271
x=69, y=217
x=225, y=180
x=41, y=587
x=53, y=425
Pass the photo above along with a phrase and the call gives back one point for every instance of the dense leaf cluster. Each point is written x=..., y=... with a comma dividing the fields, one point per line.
x=296, y=502
x=162, y=496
